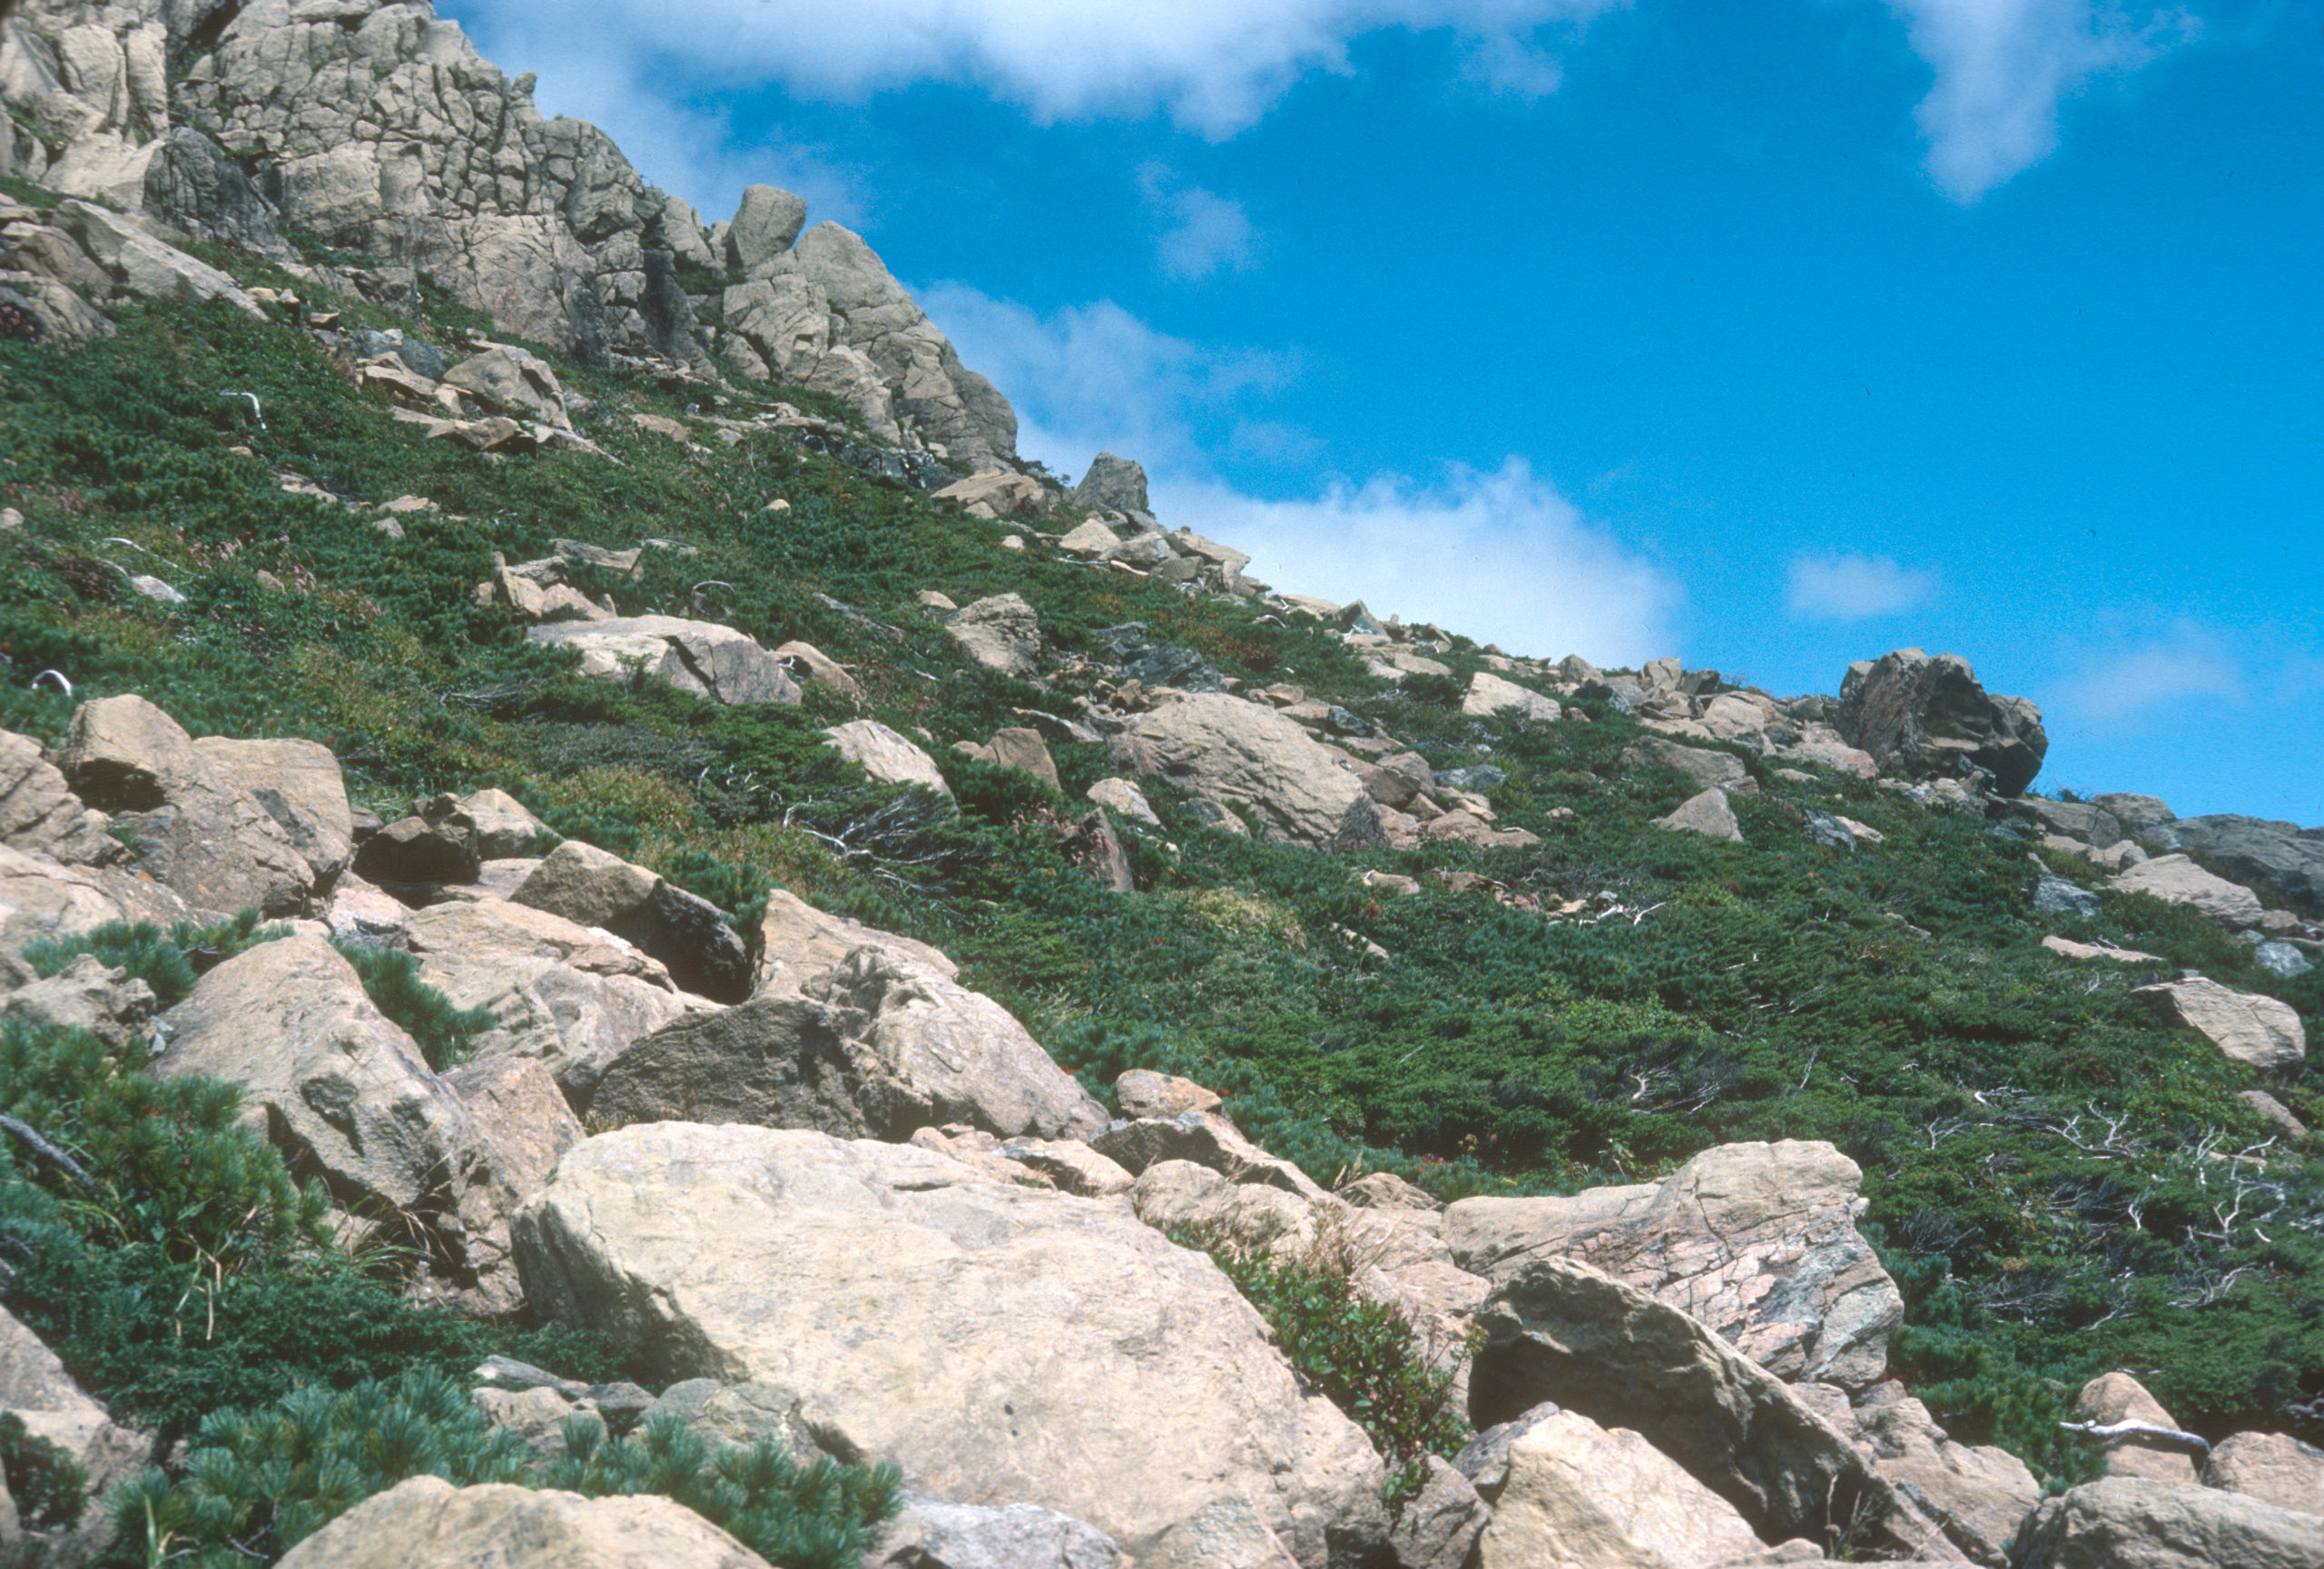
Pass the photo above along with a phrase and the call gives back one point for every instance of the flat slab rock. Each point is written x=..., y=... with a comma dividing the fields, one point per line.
x=1002, y=1345
x=426, y=1522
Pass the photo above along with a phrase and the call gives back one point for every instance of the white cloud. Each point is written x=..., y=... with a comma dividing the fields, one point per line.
x=2187, y=661
x=1215, y=67
x=1204, y=232
x=1855, y=587
x=1501, y=557
x=2002, y=66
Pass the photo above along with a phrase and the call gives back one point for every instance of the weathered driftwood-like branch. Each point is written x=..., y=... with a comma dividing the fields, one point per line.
x=46, y=1150
x=2130, y=1429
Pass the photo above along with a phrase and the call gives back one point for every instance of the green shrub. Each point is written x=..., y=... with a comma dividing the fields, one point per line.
x=170, y=962
x=1363, y=1354
x=256, y=1482
x=391, y=980
x=46, y=1482
x=823, y=1516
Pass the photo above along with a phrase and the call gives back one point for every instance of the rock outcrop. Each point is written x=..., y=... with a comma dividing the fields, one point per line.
x=988, y=1337
x=2177, y=880
x=798, y=942
x=1002, y=633
x=1926, y=718
x=1757, y=1241
x=2273, y=1468
x=1580, y=1494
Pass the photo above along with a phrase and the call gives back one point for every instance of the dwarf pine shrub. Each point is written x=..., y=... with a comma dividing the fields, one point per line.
x=257, y=1482
x=391, y=980
x=1366, y=1357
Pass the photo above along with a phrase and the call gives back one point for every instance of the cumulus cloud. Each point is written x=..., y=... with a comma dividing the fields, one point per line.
x=2002, y=65
x=1854, y=587
x=2188, y=660
x=1203, y=232
x=1500, y=555
x=1215, y=67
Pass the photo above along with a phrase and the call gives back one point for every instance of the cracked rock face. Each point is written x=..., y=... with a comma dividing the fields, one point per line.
x=1757, y=1241
x=1925, y=717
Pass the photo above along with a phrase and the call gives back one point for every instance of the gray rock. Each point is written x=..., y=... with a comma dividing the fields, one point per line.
x=2281, y=960
x=687, y=934
x=1708, y=814
x=1925, y=717
x=2273, y=1468
x=1202, y=1138
x=931, y=1533
x=1242, y=754
x=1439, y=1526
x=1476, y=776
x=2128, y=1523
x=39, y=814
x=763, y=229
x=2289, y=856
x=1001, y=633
x=887, y=756
x=36, y=1387
x=144, y=265
x=2134, y=812
x=798, y=942
x=1116, y=484
x=2056, y=897
x=192, y=185
x=1484, y=1459
x=1832, y=833
x=2086, y=821
x=698, y=657
x=2244, y=1025
x=2177, y=879
x=300, y=785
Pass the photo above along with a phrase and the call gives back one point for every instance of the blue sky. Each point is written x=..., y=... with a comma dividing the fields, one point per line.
x=1772, y=336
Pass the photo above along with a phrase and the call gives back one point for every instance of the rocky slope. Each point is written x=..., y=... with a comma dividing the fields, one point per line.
x=787, y=925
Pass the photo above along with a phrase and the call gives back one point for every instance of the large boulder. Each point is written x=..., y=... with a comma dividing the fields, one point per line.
x=685, y=931
x=1582, y=1496
x=1925, y=717
x=2092, y=825
x=886, y=755
x=2273, y=1468
x=1557, y=1330
x=1118, y=484
x=2128, y=1523
x=1002, y=1343
x=1001, y=633
x=1756, y=1242
x=2177, y=880
x=698, y=657
x=876, y=1047
x=2283, y=854
x=39, y=814
x=2243, y=1025
x=197, y=829
x=86, y=995
x=1225, y=749
x=763, y=229
x=426, y=1523
x=144, y=265
x=321, y=1070
x=512, y=381
x=798, y=942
